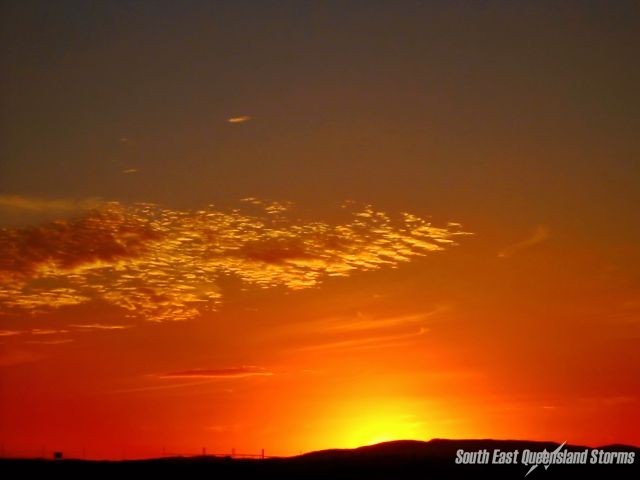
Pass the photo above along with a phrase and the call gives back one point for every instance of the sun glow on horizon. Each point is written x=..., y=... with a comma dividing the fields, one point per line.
x=376, y=422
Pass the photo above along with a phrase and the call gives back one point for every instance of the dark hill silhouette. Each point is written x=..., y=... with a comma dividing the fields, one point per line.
x=433, y=448
x=446, y=448
x=405, y=459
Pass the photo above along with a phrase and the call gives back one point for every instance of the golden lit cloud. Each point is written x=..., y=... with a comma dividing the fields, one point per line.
x=46, y=331
x=9, y=333
x=239, y=119
x=234, y=372
x=160, y=264
x=99, y=326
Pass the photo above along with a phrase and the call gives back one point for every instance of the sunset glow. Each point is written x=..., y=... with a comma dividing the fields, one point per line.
x=237, y=226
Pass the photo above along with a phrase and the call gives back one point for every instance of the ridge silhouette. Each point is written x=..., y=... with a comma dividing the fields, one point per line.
x=395, y=460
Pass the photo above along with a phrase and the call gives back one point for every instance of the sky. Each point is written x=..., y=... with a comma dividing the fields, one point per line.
x=316, y=224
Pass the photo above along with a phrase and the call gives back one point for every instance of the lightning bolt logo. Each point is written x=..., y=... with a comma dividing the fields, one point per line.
x=533, y=467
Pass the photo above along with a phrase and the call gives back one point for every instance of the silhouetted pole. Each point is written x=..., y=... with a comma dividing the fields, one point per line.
x=204, y=451
x=233, y=452
x=263, y=453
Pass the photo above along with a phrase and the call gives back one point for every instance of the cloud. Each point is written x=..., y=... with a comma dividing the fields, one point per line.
x=60, y=341
x=46, y=331
x=99, y=326
x=130, y=170
x=9, y=333
x=371, y=341
x=233, y=372
x=159, y=264
x=17, y=357
x=39, y=205
x=270, y=207
x=359, y=331
x=101, y=238
x=171, y=386
x=539, y=235
x=239, y=119
x=365, y=322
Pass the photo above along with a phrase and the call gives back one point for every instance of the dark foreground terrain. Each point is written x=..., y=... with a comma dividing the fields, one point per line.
x=392, y=460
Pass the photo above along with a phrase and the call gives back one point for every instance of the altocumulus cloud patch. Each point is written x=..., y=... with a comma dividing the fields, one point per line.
x=160, y=264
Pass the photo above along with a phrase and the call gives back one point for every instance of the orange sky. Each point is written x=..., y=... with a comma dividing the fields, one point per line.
x=294, y=228
x=527, y=339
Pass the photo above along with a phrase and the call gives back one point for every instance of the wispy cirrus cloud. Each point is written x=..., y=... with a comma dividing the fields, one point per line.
x=160, y=264
x=358, y=331
x=222, y=373
x=38, y=332
x=166, y=386
x=539, y=235
x=57, y=341
x=362, y=322
x=366, y=342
